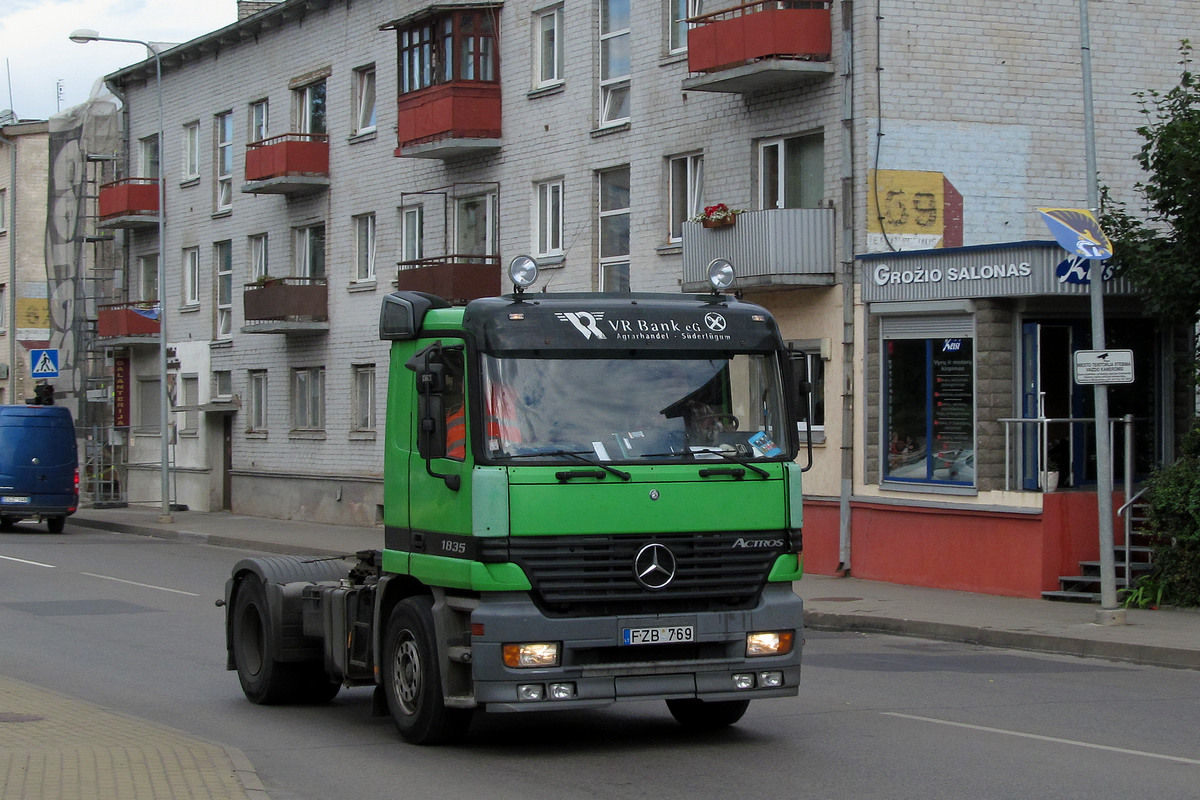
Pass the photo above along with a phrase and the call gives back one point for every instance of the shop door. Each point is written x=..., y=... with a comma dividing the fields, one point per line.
x=1049, y=390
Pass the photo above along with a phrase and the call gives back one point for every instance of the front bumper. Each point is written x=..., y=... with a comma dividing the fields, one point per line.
x=595, y=669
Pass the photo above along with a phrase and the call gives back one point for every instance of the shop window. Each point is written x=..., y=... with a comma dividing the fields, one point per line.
x=929, y=410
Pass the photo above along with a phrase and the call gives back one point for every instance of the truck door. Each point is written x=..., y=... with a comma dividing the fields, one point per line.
x=439, y=487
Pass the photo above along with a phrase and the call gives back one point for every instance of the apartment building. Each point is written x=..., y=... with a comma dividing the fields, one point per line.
x=320, y=153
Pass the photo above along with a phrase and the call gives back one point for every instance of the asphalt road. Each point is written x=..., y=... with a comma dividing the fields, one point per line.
x=129, y=623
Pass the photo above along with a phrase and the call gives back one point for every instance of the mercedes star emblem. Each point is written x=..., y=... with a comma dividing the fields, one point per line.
x=654, y=566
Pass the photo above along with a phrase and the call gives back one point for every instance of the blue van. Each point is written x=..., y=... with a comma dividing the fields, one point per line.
x=39, y=465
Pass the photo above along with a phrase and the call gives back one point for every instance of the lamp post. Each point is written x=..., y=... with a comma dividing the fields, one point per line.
x=83, y=36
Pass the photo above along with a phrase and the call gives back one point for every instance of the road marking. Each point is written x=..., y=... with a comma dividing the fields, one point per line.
x=143, y=585
x=31, y=563
x=1055, y=739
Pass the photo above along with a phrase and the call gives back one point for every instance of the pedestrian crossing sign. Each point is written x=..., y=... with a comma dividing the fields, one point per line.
x=44, y=363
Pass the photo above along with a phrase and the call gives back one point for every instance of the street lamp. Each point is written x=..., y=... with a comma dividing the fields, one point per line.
x=83, y=36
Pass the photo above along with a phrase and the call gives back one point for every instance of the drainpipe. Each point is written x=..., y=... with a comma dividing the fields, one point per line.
x=847, y=181
x=12, y=272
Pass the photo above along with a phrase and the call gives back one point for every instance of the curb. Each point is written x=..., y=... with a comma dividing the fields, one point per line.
x=1147, y=655
x=278, y=548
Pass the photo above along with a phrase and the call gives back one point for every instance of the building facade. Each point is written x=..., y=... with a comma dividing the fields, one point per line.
x=320, y=153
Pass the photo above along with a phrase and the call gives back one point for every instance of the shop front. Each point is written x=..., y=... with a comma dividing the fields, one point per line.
x=975, y=446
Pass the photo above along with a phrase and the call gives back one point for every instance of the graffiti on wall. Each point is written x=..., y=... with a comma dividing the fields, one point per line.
x=912, y=210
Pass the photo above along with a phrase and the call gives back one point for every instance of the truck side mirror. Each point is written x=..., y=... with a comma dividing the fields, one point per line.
x=800, y=389
x=429, y=364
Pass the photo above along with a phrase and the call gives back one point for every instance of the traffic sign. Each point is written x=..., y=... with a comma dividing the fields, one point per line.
x=43, y=363
x=1094, y=367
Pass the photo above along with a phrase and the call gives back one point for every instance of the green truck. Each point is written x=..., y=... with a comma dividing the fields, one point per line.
x=588, y=498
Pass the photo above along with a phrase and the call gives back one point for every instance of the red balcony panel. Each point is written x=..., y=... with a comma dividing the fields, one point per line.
x=290, y=154
x=760, y=30
x=449, y=110
x=287, y=299
x=127, y=319
x=458, y=278
x=129, y=197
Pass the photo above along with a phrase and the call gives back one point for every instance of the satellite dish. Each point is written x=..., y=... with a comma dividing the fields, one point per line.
x=8, y=117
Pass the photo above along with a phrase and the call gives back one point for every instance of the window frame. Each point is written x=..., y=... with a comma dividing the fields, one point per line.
x=683, y=206
x=149, y=153
x=308, y=399
x=190, y=408
x=614, y=88
x=365, y=101
x=260, y=255
x=260, y=120
x=191, y=151
x=305, y=264
x=223, y=290
x=148, y=278
x=191, y=277
x=256, y=401
x=548, y=215
x=613, y=266
x=362, y=398
x=364, y=254
x=678, y=26
x=489, y=205
x=548, y=55
x=776, y=171
x=412, y=241
x=223, y=161
x=312, y=107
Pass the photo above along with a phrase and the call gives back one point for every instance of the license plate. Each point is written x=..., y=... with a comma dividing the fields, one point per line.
x=15, y=498
x=667, y=635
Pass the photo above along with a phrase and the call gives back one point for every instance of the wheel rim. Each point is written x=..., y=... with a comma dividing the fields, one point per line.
x=407, y=673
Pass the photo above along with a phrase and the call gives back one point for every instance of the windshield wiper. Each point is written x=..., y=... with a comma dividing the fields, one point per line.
x=578, y=455
x=725, y=454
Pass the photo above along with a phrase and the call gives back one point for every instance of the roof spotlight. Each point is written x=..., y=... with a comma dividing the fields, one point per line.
x=720, y=275
x=522, y=271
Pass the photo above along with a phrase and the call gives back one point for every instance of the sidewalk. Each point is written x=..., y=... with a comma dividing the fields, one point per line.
x=1169, y=638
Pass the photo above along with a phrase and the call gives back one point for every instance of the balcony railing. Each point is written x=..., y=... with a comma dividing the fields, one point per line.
x=128, y=324
x=292, y=163
x=129, y=203
x=448, y=120
x=458, y=278
x=287, y=305
x=760, y=46
x=774, y=248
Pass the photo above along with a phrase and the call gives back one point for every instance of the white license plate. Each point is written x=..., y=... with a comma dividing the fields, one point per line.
x=667, y=635
x=15, y=498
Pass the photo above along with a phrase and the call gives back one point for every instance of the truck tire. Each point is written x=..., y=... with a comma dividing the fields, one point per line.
x=56, y=524
x=265, y=680
x=701, y=715
x=412, y=679
x=7, y=522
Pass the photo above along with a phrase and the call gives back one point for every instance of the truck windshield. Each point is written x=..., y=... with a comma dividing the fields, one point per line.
x=634, y=409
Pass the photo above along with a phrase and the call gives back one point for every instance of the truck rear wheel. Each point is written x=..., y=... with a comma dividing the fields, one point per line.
x=265, y=680
x=412, y=678
x=56, y=524
x=702, y=715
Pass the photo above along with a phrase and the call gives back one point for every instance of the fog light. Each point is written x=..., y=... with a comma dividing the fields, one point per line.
x=743, y=680
x=770, y=680
x=531, y=691
x=531, y=655
x=769, y=643
x=562, y=691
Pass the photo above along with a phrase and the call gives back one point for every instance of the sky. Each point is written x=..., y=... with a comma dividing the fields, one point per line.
x=37, y=52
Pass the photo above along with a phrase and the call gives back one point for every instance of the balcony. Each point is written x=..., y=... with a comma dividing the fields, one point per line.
x=128, y=324
x=289, y=164
x=129, y=203
x=457, y=278
x=449, y=120
x=291, y=305
x=760, y=47
x=778, y=248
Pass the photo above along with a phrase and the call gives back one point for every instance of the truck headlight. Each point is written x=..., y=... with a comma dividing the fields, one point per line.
x=769, y=643
x=530, y=655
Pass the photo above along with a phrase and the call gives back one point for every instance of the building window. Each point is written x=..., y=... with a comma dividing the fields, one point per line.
x=549, y=219
x=259, y=252
x=222, y=384
x=148, y=149
x=256, y=401
x=364, y=247
x=475, y=224
x=223, y=264
x=310, y=251
x=680, y=10
x=191, y=151
x=412, y=233
x=149, y=405
x=614, y=230
x=363, y=398
x=929, y=410
x=148, y=278
x=310, y=101
x=792, y=171
x=685, y=191
x=3, y=209
x=191, y=406
x=4, y=310
x=308, y=399
x=224, y=161
x=258, y=121
x=364, y=100
x=614, y=61
x=456, y=46
x=547, y=45
x=191, y=276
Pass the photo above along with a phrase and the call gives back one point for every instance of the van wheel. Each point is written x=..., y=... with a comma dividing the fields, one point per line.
x=7, y=522
x=55, y=524
x=412, y=678
x=701, y=715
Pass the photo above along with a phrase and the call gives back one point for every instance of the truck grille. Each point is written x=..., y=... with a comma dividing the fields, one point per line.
x=594, y=575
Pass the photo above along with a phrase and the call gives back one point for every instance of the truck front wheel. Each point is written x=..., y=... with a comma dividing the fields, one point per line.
x=411, y=678
x=703, y=715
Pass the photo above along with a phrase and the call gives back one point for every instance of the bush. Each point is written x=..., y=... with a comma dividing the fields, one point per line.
x=1174, y=521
